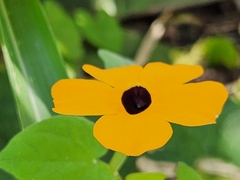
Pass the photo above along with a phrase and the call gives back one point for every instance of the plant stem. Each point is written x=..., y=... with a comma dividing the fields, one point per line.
x=150, y=40
x=118, y=159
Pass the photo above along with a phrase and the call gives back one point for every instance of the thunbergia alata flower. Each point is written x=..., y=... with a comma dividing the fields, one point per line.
x=137, y=103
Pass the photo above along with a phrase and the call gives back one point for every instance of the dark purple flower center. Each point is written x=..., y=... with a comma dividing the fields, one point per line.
x=136, y=100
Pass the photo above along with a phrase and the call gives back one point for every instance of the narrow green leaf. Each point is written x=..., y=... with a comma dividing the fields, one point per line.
x=184, y=172
x=111, y=60
x=65, y=30
x=32, y=59
x=146, y=176
x=1, y=39
x=6, y=176
x=129, y=7
x=102, y=32
x=58, y=148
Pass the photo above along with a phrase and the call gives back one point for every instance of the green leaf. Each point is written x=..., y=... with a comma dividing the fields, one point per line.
x=112, y=60
x=58, y=148
x=161, y=53
x=144, y=176
x=1, y=39
x=220, y=51
x=6, y=176
x=129, y=7
x=230, y=137
x=103, y=31
x=65, y=30
x=184, y=172
x=108, y=6
x=8, y=116
x=32, y=59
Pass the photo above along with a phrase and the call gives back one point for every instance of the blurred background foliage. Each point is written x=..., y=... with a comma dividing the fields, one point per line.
x=202, y=32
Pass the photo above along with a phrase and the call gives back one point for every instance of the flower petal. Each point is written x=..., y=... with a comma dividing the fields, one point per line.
x=84, y=97
x=167, y=76
x=132, y=134
x=192, y=104
x=115, y=77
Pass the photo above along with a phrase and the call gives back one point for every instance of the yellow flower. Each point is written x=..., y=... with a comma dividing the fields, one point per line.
x=138, y=103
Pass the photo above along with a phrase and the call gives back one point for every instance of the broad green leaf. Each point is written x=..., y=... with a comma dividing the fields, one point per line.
x=102, y=32
x=6, y=176
x=32, y=59
x=146, y=176
x=220, y=51
x=57, y=148
x=184, y=172
x=65, y=30
x=230, y=137
x=111, y=60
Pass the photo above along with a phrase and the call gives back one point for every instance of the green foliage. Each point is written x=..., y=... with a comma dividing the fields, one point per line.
x=161, y=53
x=220, y=51
x=61, y=147
x=31, y=57
x=144, y=176
x=64, y=147
x=8, y=117
x=1, y=39
x=211, y=52
x=126, y=7
x=192, y=57
x=65, y=30
x=102, y=31
x=230, y=137
x=184, y=172
x=111, y=60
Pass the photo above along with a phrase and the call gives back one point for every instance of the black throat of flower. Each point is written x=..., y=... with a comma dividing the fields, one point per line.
x=136, y=100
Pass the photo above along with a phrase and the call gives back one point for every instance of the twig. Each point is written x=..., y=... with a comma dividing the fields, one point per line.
x=150, y=40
